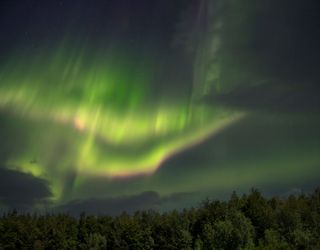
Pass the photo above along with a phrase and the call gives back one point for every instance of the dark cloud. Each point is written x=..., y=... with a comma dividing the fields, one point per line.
x=272, y=97
x=130, y=204
x=20, y=190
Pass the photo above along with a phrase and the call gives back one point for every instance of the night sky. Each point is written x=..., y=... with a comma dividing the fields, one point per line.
x=121, y=105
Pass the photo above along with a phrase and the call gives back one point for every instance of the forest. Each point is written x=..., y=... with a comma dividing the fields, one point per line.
x=249, y=221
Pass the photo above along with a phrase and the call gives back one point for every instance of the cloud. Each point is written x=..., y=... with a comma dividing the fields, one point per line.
x=273, y=97
x=116, y=205
x=20, y=190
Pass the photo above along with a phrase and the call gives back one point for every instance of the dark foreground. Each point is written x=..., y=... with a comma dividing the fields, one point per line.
x=247, y=222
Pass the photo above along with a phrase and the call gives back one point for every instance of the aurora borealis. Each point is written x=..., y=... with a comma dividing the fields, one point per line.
x=113, y=133
x=114, y=99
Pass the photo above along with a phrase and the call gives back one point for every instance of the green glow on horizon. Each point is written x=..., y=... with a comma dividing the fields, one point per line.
x=101, y=108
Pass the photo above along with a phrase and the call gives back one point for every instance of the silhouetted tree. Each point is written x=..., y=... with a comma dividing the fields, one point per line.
x=249, y=222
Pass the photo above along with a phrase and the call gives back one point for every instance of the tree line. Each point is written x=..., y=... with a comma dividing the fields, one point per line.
x=250, y=221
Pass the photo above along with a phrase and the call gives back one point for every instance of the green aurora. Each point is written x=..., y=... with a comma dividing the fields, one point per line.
x=101, y=109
